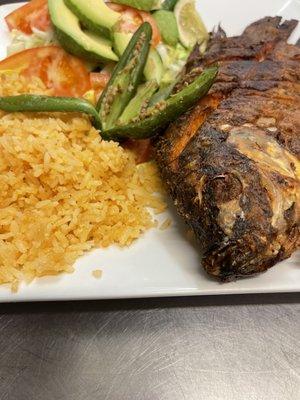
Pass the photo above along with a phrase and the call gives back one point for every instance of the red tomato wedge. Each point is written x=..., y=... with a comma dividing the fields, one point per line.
x=147, y=17
x=34, y=14
x=65, y=74
x=99, y=80
x=131, y=19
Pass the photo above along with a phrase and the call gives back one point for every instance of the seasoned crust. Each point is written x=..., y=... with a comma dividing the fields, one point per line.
x=231, y=164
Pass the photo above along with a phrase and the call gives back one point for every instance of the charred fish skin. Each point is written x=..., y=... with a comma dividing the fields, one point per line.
x=231, y=164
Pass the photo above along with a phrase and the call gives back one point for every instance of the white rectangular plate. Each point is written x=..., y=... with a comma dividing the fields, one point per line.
x=164, y=263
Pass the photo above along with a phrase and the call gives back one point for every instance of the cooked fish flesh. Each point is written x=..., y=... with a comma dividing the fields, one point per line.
x=232, y=163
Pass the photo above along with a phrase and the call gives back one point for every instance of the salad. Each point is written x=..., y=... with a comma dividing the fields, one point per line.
x=117, y=62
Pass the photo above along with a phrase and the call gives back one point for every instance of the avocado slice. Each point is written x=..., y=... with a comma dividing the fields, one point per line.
x=120, y=41
x=167, y=26
x=95, y=15
x=154, y=67
x=76, y=41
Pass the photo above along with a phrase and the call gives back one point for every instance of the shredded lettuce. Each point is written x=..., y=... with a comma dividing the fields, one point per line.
x=174, y=59
x=20, y=41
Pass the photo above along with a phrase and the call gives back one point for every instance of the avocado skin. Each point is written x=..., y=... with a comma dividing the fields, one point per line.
x=100, y=30
x=169, y=5
x=144, y=5
x=70, y=45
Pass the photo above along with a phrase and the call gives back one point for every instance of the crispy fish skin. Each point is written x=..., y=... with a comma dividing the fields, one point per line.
x=231, y=164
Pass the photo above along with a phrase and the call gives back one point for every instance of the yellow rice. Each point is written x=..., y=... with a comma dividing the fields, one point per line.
x=64, y=191
x=166, y=224
x=97, y=273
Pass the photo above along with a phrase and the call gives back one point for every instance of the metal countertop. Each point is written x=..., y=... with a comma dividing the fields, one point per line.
x=210, y=348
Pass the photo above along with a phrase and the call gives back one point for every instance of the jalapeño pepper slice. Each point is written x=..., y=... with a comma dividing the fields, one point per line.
x=162, y=113
x=125, y=78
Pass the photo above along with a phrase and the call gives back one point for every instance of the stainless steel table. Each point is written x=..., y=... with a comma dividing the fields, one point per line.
x=210, y=348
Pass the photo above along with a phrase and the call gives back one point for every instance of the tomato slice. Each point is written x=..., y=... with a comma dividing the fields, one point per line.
x=99, y=80
x=34, y=14
x=131, y=19
x=65, y=74
x=147, y=17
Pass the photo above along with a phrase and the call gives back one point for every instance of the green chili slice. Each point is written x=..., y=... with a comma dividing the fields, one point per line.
x=36, y=103
x=126, y=77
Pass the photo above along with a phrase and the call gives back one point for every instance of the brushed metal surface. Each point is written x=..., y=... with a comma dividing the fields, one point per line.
x=217, y=348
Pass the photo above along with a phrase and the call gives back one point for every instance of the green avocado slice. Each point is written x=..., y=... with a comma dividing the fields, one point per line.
x=95, y=15
x=167, y=26
x=73, y=39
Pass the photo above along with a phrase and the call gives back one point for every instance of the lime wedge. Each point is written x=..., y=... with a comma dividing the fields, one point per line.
x=190, y=25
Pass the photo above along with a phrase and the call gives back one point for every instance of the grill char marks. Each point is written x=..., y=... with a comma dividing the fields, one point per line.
x=231, y=163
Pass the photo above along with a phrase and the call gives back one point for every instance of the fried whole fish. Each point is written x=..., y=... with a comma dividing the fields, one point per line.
x=232, y=163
